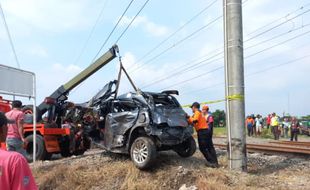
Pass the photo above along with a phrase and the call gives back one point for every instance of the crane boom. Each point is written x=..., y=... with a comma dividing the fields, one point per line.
x=62, y=92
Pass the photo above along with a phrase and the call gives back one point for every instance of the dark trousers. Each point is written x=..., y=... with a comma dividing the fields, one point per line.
x=206, y=146
x=276, y=132
x=294, y=134
x=250, y=131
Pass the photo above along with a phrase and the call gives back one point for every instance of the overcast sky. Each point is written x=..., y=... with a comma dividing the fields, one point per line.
x=49, y=37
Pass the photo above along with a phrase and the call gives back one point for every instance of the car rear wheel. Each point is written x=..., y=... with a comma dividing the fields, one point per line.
x=143, y=152
x=187, y=148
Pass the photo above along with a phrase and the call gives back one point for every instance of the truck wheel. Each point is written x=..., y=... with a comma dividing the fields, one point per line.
x=187, y=148
x=48, y=156
x=65, y=147
x=40, y=148
x=143, y=152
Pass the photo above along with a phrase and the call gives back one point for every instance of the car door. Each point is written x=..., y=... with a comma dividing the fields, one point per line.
x=123, y=116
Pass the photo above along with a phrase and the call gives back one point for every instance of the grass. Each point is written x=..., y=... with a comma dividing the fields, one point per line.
x=110, y=171
x=219, y=131
x=266, y=134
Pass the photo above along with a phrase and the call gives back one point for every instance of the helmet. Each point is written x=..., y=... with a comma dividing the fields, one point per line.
x=205, y=107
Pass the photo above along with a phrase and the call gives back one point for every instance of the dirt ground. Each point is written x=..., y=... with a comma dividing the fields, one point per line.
x=100, y=170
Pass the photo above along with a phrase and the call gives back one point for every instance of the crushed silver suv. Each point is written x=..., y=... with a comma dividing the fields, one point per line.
x=141, y=124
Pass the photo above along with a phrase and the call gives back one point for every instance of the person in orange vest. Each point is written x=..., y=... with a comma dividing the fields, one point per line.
x=200, y=124
x=249, y=123
x=210, y=122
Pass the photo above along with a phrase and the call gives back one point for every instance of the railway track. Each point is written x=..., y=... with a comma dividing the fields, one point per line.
x=292, y=143
x=272, y=148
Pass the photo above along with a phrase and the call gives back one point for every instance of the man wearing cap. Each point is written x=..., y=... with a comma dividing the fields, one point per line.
x=14, y=169
x=201, y=127
x=15, y=137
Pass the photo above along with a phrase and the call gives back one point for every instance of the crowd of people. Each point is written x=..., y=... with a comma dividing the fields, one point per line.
x=277, y=126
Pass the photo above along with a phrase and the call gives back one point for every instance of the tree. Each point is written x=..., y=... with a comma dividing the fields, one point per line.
x=219, y=118
x=305, y=117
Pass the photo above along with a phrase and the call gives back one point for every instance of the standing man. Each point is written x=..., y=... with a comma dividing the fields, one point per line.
x=294, y=129
x=275, y=126
x=259, y=124
x=15, y=137
x=254, y=125
x=14, y=169
x=201, y=127
x=210, y=122
x=285, y=126
x=268, y=121
x=249, y=122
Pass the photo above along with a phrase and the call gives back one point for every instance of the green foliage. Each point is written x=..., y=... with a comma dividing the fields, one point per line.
x=266, y=133
x=219, y=131
x=305, y=117
x=219, y=118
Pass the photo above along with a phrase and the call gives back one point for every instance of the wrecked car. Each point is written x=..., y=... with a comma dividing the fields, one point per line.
x=141, y=124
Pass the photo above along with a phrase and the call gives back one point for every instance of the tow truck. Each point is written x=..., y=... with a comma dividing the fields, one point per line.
x=52, y=136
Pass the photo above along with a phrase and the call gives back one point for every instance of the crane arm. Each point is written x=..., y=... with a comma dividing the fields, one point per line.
x=62, y=92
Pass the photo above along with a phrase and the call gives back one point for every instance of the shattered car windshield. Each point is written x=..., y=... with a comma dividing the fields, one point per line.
x=165, y=101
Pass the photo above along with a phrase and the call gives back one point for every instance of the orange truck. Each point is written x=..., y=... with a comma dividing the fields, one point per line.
x=53, y=136
x=4, y=107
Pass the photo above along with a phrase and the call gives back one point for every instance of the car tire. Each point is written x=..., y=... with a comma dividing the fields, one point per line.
x=143, y=152
x=187, y=148
x=40, y=148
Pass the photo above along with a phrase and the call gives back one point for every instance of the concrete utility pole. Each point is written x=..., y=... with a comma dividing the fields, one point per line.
x=234, y=84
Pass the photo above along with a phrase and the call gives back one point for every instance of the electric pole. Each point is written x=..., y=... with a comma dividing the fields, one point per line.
x=234, y=84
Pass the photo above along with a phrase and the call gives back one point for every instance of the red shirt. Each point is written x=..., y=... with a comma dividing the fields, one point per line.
x=15, y=173
x=268, y=120
x=17, y=116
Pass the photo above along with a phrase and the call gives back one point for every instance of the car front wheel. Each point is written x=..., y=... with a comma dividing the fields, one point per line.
x=143, y=152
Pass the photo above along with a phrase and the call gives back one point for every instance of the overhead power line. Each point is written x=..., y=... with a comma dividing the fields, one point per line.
x=106, y=40
x=276, y=26
x=110, y=34
x=176, y=31
x=177, y=43
x=254, y=73
x=190, y=67
x=9, y=36
x=278, y=65
x=283, y=42
x=132, y=20
x=256, y=53
x=153, y=49
x=279, y=19
x=187, y=80
x=277, y=36
x=246, y=63
x=91, y=33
